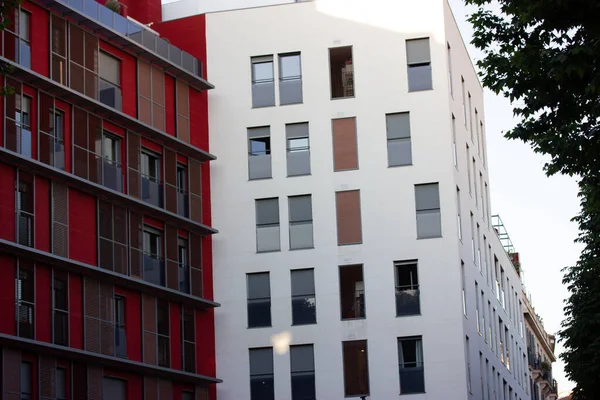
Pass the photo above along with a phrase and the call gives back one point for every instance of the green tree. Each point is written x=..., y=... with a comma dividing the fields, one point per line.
x=7, y=8
x=544, y=55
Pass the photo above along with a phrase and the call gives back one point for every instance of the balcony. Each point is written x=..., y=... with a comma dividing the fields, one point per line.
x=120, y=341
x=154, y=269
x=132, y=37
x=112, y=174
x=184, y=278
x=152, y=191
x=52, y=151
x=407, y=301
x=183, y=203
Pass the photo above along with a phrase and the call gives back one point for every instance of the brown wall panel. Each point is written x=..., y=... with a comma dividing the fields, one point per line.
x=349, y=228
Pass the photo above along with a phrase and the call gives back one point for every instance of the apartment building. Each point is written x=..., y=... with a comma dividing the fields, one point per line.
x=356, y=254
x=105, y=234
x=540, y=351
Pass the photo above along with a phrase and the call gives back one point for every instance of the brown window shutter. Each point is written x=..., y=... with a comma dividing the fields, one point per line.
x=120, y=238
x=171, y=180
x=11, y=373
x=92, y=297
x=107, y=328
x=165, y=389
x=150, y=388
x=349, y=228
x=94, y=383
x=133, y=164
x=195, y=172
x=183, y=113
x=196, y=264
x=47, y=378
x=345, y=153
x=150, y=348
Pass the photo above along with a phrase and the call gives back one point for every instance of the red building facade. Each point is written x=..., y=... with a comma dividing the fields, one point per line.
x=105, y=222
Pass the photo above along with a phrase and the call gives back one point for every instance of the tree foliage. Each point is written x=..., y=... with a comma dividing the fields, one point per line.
x=544, y=55
x=7, y=14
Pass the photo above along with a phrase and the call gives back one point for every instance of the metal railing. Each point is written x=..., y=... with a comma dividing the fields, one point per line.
x=154, y=269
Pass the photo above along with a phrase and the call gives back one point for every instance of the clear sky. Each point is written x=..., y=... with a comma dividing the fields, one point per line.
x=536, y=210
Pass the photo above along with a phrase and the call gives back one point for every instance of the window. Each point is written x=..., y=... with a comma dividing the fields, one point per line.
x=61, y=384
x=419, y=65
x=458, y=213
x=475, y=182
x=398, y=139
x=427, y=199
x=479, y=249
x=23, y=125
x=182, y=192
x=25, y=209
x=501, y=340
x=51, y=148
x=261, y=374
x=59, y=49
x=259, y=152
x=349, y=229
x=477, y=310
x=345, y=149
x=468, y=357
x=259, y=300
x=162, y=329
x=481, y=194
x=83, y=57
x=450, y=83
x=25, y=299
x=298, y=149
x=454, y=148
x=464, y=289
x=356, y=368
x=112, y=232
x=151, y=100
x=471, y=117
x=263, y=82
x=120, y=337
x=464, y=99
x=476, y=129
x=407, y=288
x=410, y=363
x=153, y=263
x=469, y=173
x=473, y=252
x=341, y=72
x=302, y=366
x=301, y=222
x=114, y=389
x=151, y=179
x=304, y=303
x=507, y=344
x=352, y=292
x=489, y=326
x=267, y=225
x=188, y=337
x=17, y=44
x=109, y=82
x=112, y=176
x=184, y=269
x=290, y=79
x=482, y=133
x=60, y=308
x=26, y=392
x=482, y=333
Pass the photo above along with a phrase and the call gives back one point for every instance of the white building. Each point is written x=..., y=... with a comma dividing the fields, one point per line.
x=352, y=199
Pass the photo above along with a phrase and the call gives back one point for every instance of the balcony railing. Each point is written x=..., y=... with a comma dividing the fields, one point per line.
x=152, y=191
x=52, y=151
x=25, y=229
x=407, y=300
x=184, y=278
x=154, y=269
x=112, y=174
x=182, y=203
x=120, y=341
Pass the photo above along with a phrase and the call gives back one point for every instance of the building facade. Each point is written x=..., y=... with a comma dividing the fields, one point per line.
x=356, y=253
x=105, y=235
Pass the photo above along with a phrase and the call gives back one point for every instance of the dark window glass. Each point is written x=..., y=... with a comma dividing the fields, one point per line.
x=61, y=310
x=162, y=328
x=356, y=368
x=259, y=300
x=26, y=392
x=25, y=300
x=304, y=305
x=261, y=374
x=341, y=72
x=352, y=292
x=410, y=359
x=120, y=335
x=303, y=372
x=407, y=289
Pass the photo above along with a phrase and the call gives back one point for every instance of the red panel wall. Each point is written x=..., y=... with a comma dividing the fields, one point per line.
x=42, y=214
x=82, y=227
x=144, y=11
x=7, y=205
x=133, y=322
x=43, y=303
x=75, y=311
x=40, y=45
x=175, y=325
x=128, y=77
x=7, y=295
x=205, y=342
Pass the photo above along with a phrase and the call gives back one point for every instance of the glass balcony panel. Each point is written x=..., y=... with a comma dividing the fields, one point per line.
x=25, y=229
x=76, y=4
x=162, y=48
x=412, y=380
x=91, y=9
x=301, y=235
x=407, y=302
x=24, y=142
x=151, y=191
x=267, y=238
x=120, y=342
x=175, y=54
x=106, y=16
x=290, y=91
x=154, y=270
x=112, y=175
x=182, y=204
x=187, y=62
x=60, y=328
x=120, y=24
x=184, y=278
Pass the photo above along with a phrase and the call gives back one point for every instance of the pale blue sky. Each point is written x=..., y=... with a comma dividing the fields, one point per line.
x=535, y=209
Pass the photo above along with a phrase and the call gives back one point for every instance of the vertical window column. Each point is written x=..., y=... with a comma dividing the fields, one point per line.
x=418, y=58
x=398, y=139
x=120, y=333
x=304, y=303
x=341, y=72
x=427, y=200
x=58, y=39
x=60, y=308
x=259, y=300
x=99, y=326
x=163, y=333
x=17, y=45
x=407, y=288
x=267, y=225
x=151, y=99
x=298, y=149
x=261, y=374
x=290, y=79
x=151, y=173
x=302, y=367
x=263, y=82
x=25, y=214
x=411, y=367
x=301, y=222
x=87, y=131
x=83, y=65
x=17, y=135
x=109, y=82
x=259, y=153
x=154, y=268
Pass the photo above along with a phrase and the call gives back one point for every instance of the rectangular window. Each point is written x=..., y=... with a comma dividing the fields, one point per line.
x=162, y=330
x=181, y=186
x=427, y=200
x=290, y=79
x=22, y=115
x=17, y=42
x=184, y=265
x=464, y=288
x=454, y=147
x=345, y=149
x=151, y=179
x=469, y=172
x=298, y=149
x=352, y=292
x=109, y=82
x=112, y=236
x=490, y=333
x=302, y=367
x=501, y=340
x=304, y=303
x=259, y=300
x=259, y=152
x=83, y=56
x=25, y=384
x=61, y=384
x=410, y=365
x=59, y=49
x=419, y=65
x=473, y=251
x=471, y=117
x=112, y=175
x=479, y=249
x=341, y=72
x=481, y=194
x=356, y=368
x=301, y=222
x=114, y=389
x=464, y=100
x=450, y=83
x=25, y=299
x=468, y=357
x=188, y=338
x=483, y=326
x=120, y=337
x=407, y=288
x=482, y=133
x=60, y=308
x=349, y=225
x=476, y=129
x=261, y=374
x=151, y=98
x=267, y=225
x=398, y=139
x=475, y=182
x=25, y=209
x=51, y=146
x=458, y=213
x=263, y=82
x=153, y=262
x=477, y=309
x=507, y=346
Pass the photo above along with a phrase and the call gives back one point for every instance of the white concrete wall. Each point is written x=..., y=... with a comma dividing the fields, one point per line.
x=377, y=30
x=185, y=8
